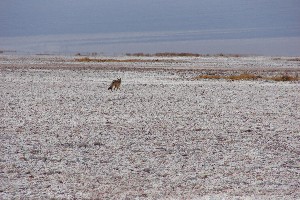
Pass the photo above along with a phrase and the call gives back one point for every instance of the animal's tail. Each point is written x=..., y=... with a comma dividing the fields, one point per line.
x=110, y=87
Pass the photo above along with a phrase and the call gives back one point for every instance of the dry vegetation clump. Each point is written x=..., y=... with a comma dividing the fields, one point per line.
x=87, y=59
x=231, y=77
x=276, y=59
x=249, y=77
x=285, y=78
x=243, y=77
x=288, y=59
x=205, y=76
x=84, y=59
x=165, y=54
x=170, y=54
x=294, y=59
x=139, y=54
x=174, y=54
x=87, y=54
x=227, y=55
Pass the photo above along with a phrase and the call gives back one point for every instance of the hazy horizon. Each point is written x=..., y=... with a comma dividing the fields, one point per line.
x=115, y=26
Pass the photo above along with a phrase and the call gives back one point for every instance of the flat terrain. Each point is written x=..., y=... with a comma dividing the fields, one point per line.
x=63, y=135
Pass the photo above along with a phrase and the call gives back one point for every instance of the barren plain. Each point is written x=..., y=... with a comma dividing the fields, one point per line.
x=163, y=135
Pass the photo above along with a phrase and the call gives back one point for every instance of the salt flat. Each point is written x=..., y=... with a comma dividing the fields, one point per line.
x=163, y=135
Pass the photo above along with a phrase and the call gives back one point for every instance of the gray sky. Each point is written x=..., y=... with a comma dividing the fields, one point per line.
x=184, y=20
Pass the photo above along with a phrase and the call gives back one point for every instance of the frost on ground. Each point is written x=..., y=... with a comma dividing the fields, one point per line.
x=64, y=135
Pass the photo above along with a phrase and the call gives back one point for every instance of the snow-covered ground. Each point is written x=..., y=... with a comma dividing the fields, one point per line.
x=63, y=135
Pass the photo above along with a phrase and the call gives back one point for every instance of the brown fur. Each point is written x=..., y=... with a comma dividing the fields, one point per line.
x=115, y=84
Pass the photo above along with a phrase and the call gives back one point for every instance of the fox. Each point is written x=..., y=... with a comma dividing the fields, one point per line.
x=115, y=84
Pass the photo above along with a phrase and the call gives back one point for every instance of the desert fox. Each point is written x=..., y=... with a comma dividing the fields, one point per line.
x=115, y=84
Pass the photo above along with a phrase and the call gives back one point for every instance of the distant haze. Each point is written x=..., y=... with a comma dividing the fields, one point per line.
x=268, y=27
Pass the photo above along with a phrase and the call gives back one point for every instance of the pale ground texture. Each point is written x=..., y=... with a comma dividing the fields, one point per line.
x=63, y=135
